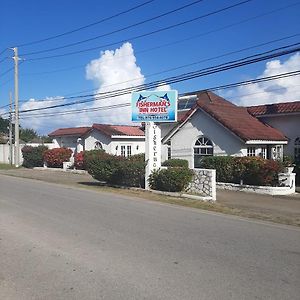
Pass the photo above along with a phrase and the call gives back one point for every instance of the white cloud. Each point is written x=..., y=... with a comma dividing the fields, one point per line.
x=274, y=91
x=112, y=71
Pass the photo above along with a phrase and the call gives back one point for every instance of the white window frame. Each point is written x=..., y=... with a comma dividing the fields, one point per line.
x=251, y=151
x=129, y=150
x=202, y=147
x=264, y=152
x=123, y=150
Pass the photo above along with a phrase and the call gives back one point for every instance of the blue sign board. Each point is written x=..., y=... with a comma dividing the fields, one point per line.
x=154, y=106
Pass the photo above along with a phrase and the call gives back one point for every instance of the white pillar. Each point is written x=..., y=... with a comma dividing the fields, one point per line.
x=153, y=150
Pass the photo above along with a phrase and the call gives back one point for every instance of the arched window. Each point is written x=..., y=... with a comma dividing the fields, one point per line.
x=203, y=147
x=297, y=149
x=98, y=146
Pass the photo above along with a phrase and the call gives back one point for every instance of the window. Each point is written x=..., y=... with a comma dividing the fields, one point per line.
x=123, y=150
x=128, y=151
x=297, y=149
x=98, y=146
x=263, y=152
x=203, y=147
x=251, y=151
x=277, y=152
x=169, y=149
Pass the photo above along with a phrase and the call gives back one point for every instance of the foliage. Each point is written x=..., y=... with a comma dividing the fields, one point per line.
x=175, y=162
x=46, y=139
x=288, y=161
x=33, y=156
x=171, y=179
x=28, y=134
x=79, y=160
x=252, y=170
x=4, y=124
x=55, y=157
x=115, y=169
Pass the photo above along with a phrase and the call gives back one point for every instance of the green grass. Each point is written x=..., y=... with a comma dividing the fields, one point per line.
x=6, y=166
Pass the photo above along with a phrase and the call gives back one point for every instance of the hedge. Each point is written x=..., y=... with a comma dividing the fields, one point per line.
x=171, y=179
x=33, y=156
x=57, y=156
x=114, y=169
x=252, y=170
x=176, y=162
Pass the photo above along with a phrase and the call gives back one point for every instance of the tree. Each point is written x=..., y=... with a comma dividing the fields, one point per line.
x=28, y=134
x=4, y=124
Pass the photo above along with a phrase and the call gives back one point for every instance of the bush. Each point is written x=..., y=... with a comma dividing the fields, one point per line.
x=33, y=156
x=176, y=163
x=129, y=172
x=55, y=157
x=116, y=169
x=79, y=161
x=252, y=170
x=171, y=179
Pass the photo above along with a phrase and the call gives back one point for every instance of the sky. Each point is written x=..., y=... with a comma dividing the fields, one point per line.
x=123, y=58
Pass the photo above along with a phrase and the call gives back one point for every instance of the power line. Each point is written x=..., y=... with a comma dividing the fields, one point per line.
x=153, y=48
x=176, y=68
x=117, y=30
x=216, y=88
x=87, y=26
x=142, y=35
x=187, y=76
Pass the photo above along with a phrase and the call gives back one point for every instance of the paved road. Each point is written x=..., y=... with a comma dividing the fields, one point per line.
x=64, y=243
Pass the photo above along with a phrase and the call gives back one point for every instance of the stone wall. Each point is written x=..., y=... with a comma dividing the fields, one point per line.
x=203, y=183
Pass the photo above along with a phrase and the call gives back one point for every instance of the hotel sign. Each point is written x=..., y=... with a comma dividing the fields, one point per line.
x=154, y=106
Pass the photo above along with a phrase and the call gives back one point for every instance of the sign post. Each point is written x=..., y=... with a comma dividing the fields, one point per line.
x=153, y=107
x=152, y=150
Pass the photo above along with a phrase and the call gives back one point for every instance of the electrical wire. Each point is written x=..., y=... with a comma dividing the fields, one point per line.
x=141, y=35
x=63, y=98
x=187, y=76
x=117, y=30
x=87, y=26
x=216, y=88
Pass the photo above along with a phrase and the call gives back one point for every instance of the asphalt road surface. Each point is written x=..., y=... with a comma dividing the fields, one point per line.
x=60, y=242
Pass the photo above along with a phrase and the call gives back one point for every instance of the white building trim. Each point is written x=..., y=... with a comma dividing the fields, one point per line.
x=264, y=142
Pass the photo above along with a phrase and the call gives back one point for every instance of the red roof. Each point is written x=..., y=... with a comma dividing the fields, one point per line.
x=276, y=108
x=119, y=130
x=237, y=119
x=70, y=131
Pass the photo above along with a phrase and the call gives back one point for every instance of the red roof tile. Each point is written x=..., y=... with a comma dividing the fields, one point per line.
x=70, y=131
x=237, y=119
x=276, y=108
x=119, y=130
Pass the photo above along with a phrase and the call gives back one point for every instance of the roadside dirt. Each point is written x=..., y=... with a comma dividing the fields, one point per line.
x=279, y=209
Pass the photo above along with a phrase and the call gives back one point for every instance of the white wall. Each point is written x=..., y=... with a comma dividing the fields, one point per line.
x=201, y=124
x=137, y=145
x=289, y=125
x=93, y=137
x=66, y=141
x=4, y=151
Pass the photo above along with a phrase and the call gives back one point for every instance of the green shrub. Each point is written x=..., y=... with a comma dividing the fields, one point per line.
x=115, y=169
x=33, y=156
x=129, y=173
x=100, y=164
x=224, y=166
x=57, y=156
x=176, y=162
x=171, y=179
x=252, y=170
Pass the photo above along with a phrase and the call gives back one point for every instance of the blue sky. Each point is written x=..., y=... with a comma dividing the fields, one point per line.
x=26, y=21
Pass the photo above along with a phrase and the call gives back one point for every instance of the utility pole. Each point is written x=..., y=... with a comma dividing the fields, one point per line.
x=10, y=130
x=17, y=142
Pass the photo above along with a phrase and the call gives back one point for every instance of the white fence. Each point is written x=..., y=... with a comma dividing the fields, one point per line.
x=5, y=153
